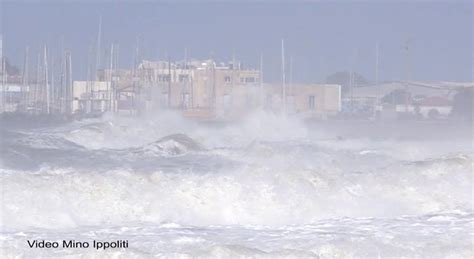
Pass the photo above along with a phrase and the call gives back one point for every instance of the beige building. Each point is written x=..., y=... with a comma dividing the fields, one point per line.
x=311, y=100
x=91, y=96
x=201, y=89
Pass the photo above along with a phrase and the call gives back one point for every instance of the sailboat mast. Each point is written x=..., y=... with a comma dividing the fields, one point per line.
x=377, y=69
x=45, y=57
x=261, y=79
x=38, y=81
x=69, y=82
x=97, y=58
x=283, y=78
x=109, y=86
x=3, y=73
x=53, y=98
x=376, y=64
x=407, y=71
x=25, y=80
x=184, y=90
x=4, y=90
x=169, y=82
x=233, y=77
x=290, y=83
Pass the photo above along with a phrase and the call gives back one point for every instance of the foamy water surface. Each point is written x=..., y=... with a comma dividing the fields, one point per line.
x=263, y=187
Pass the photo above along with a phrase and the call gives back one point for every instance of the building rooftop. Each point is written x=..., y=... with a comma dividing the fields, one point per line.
x=415, y=88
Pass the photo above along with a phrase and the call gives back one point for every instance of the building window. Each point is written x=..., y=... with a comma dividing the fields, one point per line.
x=227, y=79
x=185, y=100
x=311, y=102
x=250, y=80
x=183, y=78
x=164, y=78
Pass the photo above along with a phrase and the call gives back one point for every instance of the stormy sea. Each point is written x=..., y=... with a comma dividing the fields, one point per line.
x=266, y=186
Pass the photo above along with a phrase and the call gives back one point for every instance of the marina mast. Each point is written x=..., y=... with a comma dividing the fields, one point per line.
x=261, y=80
x=376, y=64
x=3, y=73
x=109, y=86
x=45, y=59
x=290, y=83
x=283, y=79
x=69, y=91
x=25, y=81
x=4, y=86
x=184, y=90
x=99, y=38
x=407, y=71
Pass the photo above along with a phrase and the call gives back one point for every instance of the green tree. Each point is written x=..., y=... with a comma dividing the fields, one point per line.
x=397, y=96
x=343, y=78
x=11, y=69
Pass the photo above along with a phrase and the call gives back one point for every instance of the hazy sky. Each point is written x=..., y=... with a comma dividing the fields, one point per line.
x=321, y=37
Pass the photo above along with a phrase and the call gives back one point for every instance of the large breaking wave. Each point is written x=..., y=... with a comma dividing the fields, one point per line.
x=274, y=173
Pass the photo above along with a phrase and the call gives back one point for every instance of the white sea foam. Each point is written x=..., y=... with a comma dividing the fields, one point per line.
x=61, y=198
x=262, y=187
